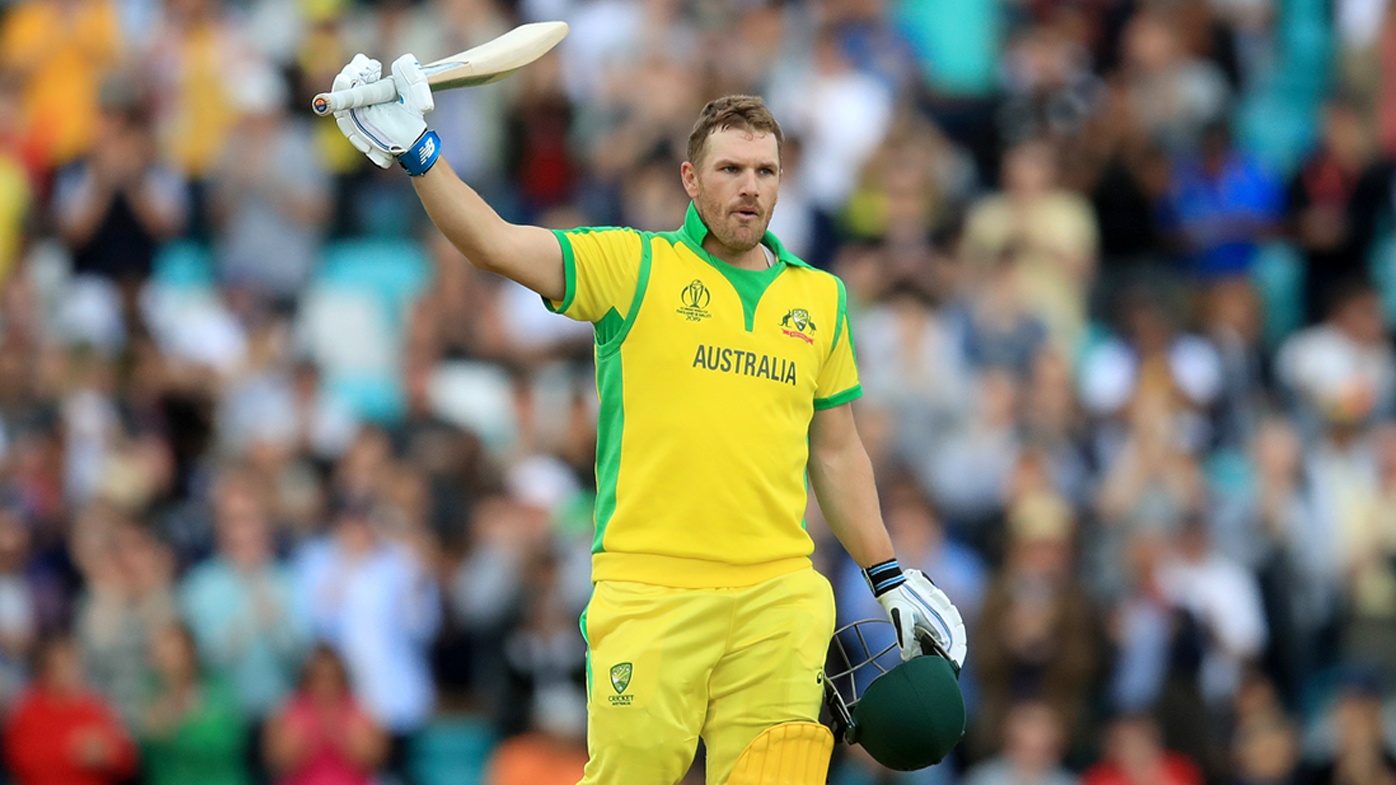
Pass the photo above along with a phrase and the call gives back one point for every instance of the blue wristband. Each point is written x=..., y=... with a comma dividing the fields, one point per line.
x=421, y=155
x=884, y=577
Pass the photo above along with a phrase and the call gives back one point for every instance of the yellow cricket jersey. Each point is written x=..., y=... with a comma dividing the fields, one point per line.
x=708, y=376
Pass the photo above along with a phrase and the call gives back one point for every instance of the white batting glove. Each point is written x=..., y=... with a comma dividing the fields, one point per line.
x=924, y=617
x=387, y=130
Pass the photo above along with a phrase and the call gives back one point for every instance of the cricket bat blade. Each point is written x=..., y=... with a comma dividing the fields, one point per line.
x=486, y=63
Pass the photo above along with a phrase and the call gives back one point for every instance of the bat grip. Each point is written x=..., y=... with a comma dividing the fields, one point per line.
x=359, y=95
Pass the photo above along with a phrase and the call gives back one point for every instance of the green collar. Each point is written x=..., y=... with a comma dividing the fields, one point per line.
x=694, y=231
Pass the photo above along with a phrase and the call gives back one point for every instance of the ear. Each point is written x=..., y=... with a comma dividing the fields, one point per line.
x=689, y=174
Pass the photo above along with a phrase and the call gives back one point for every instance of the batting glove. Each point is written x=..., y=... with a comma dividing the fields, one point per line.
x=393, y=130
x=925, y=619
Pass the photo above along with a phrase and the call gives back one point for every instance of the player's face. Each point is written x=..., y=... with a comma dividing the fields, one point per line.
x=735, y=186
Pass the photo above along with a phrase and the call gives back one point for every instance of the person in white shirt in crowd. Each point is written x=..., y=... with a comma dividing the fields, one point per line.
x=1033, y=746
x=377, y=604
x=1345, y=367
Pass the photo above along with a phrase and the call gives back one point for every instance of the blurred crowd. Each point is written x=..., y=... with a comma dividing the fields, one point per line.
x=291, y=493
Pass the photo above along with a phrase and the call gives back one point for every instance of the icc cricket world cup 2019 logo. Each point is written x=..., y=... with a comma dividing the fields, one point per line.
x=620, y=679
x=695, y=298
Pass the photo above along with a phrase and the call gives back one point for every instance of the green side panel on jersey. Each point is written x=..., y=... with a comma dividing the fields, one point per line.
x=610, y=425
x=582, y=622
x=842, y=316
x=608, y=327
x=609, y=343
x=610, y=388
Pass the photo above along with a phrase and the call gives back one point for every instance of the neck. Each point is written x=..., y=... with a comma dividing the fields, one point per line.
x=751, y=259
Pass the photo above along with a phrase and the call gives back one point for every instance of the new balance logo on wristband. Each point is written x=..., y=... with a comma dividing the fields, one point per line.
x=422, y=155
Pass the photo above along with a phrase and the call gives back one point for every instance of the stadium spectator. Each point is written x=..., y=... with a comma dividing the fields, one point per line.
x=1033, y=746
x=240, y=607
x=1036, y=638
x=188, y=57
x=1333, y=201
x=1049, y=236
x=192, y=728
x=128, y=597
x=1135, y=755
x=322, y=735
x=60, y=732
x=1357, y=750
x=1223, y=204
x=970, y=471
x=18, y=614
x=1174, y=93
x=17, y=180
x=1266, y=750
x=1369, y=560
x=375, y=602
x=115, y=205
x=1342, y=369
x=61, y=50
x=269, y=195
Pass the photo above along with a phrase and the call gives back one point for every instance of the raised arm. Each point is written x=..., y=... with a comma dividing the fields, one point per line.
x=529, y=255
x=395, y=132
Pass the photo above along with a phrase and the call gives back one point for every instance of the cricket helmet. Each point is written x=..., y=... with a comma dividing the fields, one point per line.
x=907, y=715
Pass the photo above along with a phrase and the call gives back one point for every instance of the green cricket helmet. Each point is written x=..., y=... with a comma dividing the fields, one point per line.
x=907, y=715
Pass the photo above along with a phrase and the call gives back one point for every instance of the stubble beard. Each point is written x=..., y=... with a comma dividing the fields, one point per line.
x=730, y=233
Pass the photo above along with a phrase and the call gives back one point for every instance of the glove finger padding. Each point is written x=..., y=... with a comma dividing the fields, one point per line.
x=412, y=84
x=360, y=70
x=920, y=611
x=945, y=624
x=346, y=125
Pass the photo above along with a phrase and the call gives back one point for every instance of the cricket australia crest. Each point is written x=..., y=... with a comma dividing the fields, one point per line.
x=620, y=679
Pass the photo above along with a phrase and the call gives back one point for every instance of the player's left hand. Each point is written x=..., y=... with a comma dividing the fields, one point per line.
x=387, y=130
x=923, y=615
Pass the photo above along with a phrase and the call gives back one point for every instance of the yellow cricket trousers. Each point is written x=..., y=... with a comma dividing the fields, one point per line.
x=666, y=666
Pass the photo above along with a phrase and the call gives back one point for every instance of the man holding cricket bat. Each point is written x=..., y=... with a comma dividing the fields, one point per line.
x=725, y=370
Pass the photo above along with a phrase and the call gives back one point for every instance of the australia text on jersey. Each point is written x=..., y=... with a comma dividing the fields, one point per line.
x=714, y=358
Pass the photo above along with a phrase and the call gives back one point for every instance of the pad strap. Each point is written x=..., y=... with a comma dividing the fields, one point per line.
x=422, y=155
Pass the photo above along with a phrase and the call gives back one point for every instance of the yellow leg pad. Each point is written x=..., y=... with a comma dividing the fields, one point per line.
x=791, y=753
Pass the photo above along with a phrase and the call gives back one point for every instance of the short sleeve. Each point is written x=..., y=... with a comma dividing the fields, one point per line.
x=602, y=270
x=838, y=378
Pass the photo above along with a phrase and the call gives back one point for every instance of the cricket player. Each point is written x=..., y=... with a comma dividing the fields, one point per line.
x=725, y=370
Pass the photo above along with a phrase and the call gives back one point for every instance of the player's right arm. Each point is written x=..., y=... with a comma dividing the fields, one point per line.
x=529, y=255
x=395, y=132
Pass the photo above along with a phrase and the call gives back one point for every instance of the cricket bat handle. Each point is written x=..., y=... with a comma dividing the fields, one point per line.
x=359, y=95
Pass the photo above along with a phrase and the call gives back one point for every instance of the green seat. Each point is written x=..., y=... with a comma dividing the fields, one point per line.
x=183, y=265
x=452, y=751
x=1278, y=275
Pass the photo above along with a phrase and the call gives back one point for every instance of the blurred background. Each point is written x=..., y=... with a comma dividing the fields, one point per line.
x=290, y=493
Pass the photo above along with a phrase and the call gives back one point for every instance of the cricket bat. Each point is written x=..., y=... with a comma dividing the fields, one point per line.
x=488, y=62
